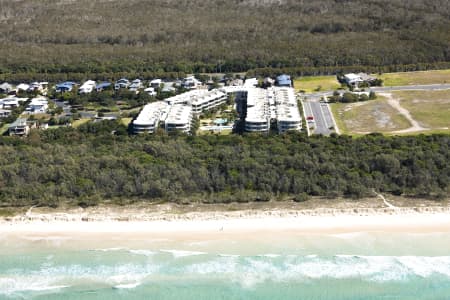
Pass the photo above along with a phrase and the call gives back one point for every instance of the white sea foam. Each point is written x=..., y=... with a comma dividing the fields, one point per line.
x=110, y=249
x=228, y=255
x=142, y=252
x=12, y=284
x=127, y=286
x=269, y=255
x=182, y=253
x=247, y=271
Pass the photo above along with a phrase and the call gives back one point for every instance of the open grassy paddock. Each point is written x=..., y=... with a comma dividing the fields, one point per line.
x=366, y=117
x=413, y=78
x=430, y=108
x=316, y=83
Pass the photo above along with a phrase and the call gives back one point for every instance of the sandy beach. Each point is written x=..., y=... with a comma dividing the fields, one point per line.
x=166, y=221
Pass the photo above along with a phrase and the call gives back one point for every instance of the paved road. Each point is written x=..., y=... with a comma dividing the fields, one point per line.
x=322, y=117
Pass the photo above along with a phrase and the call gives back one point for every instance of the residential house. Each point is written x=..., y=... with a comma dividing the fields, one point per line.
x=135, y=85
x=39, y=87
x=5, y=88
x=122, y=83
x=64, y=87
x=4, y=113
x=87, y=87
x=37, y=106
x=103, y=86
x=283, y=80
x=151, y=91
x=155, y=83
x=21, y=127
x=190, y=83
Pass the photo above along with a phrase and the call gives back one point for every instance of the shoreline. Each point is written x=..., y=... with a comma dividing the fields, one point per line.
x=240, y=222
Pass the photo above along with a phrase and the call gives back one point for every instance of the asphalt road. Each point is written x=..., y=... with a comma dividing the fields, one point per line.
x=322, y=117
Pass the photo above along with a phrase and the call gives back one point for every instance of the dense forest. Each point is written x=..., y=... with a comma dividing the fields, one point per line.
x=160, y=37
x=100, y=161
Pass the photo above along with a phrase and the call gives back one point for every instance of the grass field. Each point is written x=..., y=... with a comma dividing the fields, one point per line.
x=79, y=122
x=126, y=121
x=312, y=83
x=367, y=117
x=412, y=78
x=430, y=108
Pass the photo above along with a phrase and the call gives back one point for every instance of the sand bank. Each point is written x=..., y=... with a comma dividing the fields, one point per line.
x=412, y=219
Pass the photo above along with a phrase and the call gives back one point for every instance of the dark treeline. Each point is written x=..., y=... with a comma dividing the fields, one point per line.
x=164, y=36
x=88, y=165
x=89, y=73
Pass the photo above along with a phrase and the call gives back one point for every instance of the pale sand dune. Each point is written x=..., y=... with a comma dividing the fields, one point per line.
x=436, y=219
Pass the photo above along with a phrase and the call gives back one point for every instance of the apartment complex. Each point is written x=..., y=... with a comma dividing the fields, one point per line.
x=150, y=117
x=177, y=112
x=288, y=115
x=267, y=107
x=260, y=109
x=179, y=118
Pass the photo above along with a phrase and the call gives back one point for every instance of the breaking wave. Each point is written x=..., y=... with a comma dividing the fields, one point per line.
x=246, y=271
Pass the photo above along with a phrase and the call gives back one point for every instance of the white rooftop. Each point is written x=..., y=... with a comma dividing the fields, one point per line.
x=258, y=106
x=286, y=104
x=179, y=114
x=152, y=113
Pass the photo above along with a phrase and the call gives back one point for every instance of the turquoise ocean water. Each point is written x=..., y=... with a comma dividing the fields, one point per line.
x=255, y=266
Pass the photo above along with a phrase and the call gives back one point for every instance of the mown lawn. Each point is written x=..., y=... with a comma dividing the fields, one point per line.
x=412, y=78
x=316, y=83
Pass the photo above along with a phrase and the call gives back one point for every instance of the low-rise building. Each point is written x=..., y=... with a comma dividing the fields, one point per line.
x=190, y=82
x=63, y=87
x=179, y=118
x=155, y=83
x=150, y=91
x=135, y=85
x=37, y=105
x=11, y=102
x=150, y=117
x=103, y=86
x=4, y=113
x=258, y=112
x=5, y=88
x=21, y=127
x=122, y=83
x=87, y=87
x=287, y=113
x=39, y=87
x=283, y=80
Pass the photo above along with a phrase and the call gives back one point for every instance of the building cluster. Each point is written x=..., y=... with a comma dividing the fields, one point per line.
x=261, y=109
x=176, y=113
x=135, y=85
x=34, y=87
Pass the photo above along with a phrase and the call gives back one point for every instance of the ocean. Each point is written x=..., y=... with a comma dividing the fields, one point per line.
x=283, y=265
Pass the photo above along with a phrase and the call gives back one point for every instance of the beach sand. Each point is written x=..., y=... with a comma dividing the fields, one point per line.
x=167, y=221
